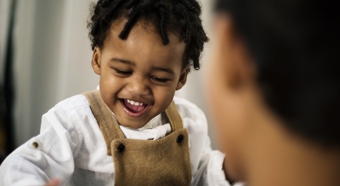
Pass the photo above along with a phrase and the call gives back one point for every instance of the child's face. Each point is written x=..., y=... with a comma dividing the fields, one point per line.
x=139, y=75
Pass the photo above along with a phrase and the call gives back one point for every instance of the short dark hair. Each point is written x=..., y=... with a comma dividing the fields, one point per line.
x=178, y=16
x=295, y=45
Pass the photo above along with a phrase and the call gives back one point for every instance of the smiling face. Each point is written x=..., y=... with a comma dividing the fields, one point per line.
x=139, y=75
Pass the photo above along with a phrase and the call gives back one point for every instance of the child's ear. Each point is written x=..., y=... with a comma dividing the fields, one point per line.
x=183, y=78
x=96, y=59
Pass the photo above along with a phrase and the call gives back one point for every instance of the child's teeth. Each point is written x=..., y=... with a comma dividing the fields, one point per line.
x=134, y=102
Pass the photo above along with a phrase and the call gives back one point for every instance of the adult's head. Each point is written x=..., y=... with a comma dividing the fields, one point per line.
x=276, y=62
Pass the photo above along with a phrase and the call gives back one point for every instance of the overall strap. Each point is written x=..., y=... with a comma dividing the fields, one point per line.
x=105, y=118
x=175, y=119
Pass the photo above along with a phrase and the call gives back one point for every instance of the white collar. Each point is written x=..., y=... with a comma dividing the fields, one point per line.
x=154, y=129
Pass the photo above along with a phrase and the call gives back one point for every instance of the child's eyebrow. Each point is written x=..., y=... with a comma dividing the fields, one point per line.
x=122, y=61
x=168, y=70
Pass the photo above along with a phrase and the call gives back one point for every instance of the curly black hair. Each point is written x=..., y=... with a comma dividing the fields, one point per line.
x=178, y=16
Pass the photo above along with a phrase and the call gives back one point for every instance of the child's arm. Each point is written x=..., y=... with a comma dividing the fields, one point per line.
x=228, y=177
x=48, y=155
x=53, y=182
x=211, y=168
x=207, y=165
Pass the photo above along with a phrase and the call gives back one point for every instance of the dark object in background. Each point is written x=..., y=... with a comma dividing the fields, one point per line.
x=7, y=93
x=2, y=130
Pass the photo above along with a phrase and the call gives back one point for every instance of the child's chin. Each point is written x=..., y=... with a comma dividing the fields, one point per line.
x=134, y=124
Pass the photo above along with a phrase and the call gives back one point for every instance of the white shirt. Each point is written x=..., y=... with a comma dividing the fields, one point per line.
x=71, y=147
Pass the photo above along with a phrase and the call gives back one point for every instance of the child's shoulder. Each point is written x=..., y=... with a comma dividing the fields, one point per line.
x=66, y=114
x=188, y=109
x=74, y=102
x=182, y=102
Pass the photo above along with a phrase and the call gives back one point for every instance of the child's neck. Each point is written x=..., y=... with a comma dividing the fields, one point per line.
x=277, y=157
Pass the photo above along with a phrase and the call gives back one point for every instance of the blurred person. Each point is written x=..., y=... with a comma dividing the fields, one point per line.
x=132, y=130
x=273, y=87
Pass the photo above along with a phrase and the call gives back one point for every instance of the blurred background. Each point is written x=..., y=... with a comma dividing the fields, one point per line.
x=45, y=57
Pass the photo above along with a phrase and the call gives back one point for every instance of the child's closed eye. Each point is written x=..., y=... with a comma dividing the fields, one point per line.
x=123, y=72
x=160, y=80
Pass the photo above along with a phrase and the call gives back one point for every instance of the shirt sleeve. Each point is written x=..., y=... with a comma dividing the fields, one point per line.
x=210, y=168
x=207, y=164
x=48, y=155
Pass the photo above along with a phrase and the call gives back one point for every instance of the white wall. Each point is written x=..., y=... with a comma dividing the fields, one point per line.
x=52, y=60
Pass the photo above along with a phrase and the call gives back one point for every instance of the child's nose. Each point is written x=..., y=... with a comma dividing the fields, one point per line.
x=138, y=86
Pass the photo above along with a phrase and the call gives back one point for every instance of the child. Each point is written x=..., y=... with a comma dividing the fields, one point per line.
x=132, y=131
x=274, y=87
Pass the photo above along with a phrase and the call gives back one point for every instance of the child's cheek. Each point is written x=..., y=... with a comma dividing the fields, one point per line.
x=163, y=96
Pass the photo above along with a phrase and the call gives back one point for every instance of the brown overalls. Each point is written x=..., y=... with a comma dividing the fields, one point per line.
x=165, y=161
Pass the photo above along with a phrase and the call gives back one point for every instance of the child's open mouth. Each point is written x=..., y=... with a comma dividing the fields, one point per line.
x=134, y=108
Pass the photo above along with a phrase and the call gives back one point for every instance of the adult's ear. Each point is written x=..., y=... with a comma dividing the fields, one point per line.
x=183, y=78
x=231, y=93
x=96, y=60
x=235, y=63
